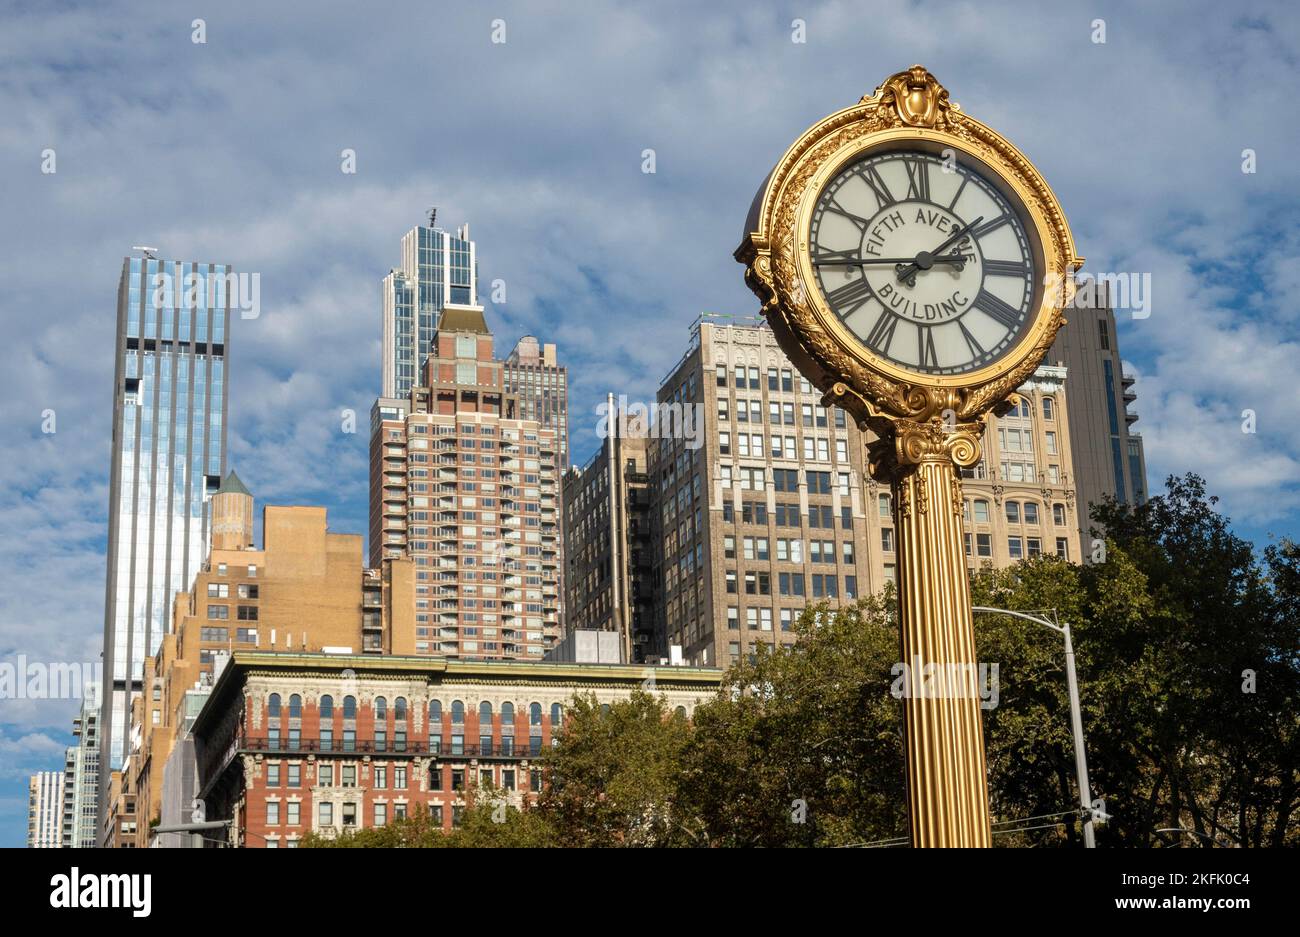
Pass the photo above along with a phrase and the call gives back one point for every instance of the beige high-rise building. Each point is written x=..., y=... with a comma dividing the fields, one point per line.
x=1108, y=459
x=534, y=374
x=468, y=490
x=607, y=543
x=45, y=810
x=775, y=510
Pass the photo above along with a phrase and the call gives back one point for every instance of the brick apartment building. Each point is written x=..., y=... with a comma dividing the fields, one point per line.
x=467, y=489
x=306, y=589
x=295, y=743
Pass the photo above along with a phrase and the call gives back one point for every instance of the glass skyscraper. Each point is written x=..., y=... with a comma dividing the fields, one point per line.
x=437, y=268
x=169, y=455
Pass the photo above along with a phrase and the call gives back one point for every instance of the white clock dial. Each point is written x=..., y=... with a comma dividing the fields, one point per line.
x=926, y=262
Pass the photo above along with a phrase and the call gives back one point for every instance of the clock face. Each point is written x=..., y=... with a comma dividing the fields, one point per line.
x=927, y=262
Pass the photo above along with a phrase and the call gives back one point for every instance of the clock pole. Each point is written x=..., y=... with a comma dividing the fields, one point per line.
x=928, y=421
x=947, y=787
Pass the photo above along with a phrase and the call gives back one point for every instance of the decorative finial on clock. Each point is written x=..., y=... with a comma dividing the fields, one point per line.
x=916, y=98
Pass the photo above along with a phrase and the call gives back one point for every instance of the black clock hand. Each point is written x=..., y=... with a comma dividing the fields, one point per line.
x=955, y=257
x=926, y=259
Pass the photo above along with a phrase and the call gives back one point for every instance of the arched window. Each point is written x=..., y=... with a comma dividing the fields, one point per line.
x=557, y=716
x=457, y=712
x=435, y=712
x=381, y=708
x=399, y=709
x=680, y=711
x=295, y=706
x=1031, y=512
x=349, y=707
x=1049, y=408
x=535, y=714
x=326, y=707
x=273, y=706
x=981, y=511
x=484, y=715
x=508, y=718
x=1013, y=512
x=604, y=709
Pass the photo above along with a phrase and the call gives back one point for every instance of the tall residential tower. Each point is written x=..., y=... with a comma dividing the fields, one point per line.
x=169, y=454
x=468, y=489
x=438, y=268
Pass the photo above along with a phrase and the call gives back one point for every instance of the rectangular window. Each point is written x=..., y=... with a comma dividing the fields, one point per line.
x=272, y=813
x=381, y=814
x=1015, y=547
x=325, y=812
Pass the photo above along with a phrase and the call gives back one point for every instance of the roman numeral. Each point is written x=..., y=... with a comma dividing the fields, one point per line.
x=989, y=227
x=925, y=347
x=918, y=179
x=828, y=256
x=976, y=349
x=850, y=296
x=858, y=220
x=960, y=189
x=1006, y=268
x=1003, y=313
x=882, y=333
x=884, y=198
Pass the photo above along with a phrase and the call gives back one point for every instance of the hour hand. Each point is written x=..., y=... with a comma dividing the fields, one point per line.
x=926, y=259
x=907, y=270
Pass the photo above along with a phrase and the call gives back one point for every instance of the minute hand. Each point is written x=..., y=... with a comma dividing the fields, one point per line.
x=948, y=259
x=908, y=271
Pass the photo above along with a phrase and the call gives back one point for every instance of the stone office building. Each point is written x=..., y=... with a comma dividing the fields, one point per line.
x=776, y=510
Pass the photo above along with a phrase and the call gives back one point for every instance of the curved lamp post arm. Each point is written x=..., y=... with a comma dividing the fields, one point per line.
x=1076, y=716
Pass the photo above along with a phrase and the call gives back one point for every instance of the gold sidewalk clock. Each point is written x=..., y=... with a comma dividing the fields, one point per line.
x=914, y=266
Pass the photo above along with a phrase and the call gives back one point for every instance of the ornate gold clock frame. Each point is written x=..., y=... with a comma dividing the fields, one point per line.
x=926, y=426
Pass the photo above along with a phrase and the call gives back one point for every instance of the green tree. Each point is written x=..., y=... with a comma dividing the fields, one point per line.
x=803, y=746
x=613, y=778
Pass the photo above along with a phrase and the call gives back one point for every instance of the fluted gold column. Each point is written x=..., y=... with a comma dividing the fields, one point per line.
x=947, y=782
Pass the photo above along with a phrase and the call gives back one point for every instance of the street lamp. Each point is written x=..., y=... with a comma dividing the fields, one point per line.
x=1080, y=757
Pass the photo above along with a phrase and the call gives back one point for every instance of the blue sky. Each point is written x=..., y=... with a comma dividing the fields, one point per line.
x=229, y=151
